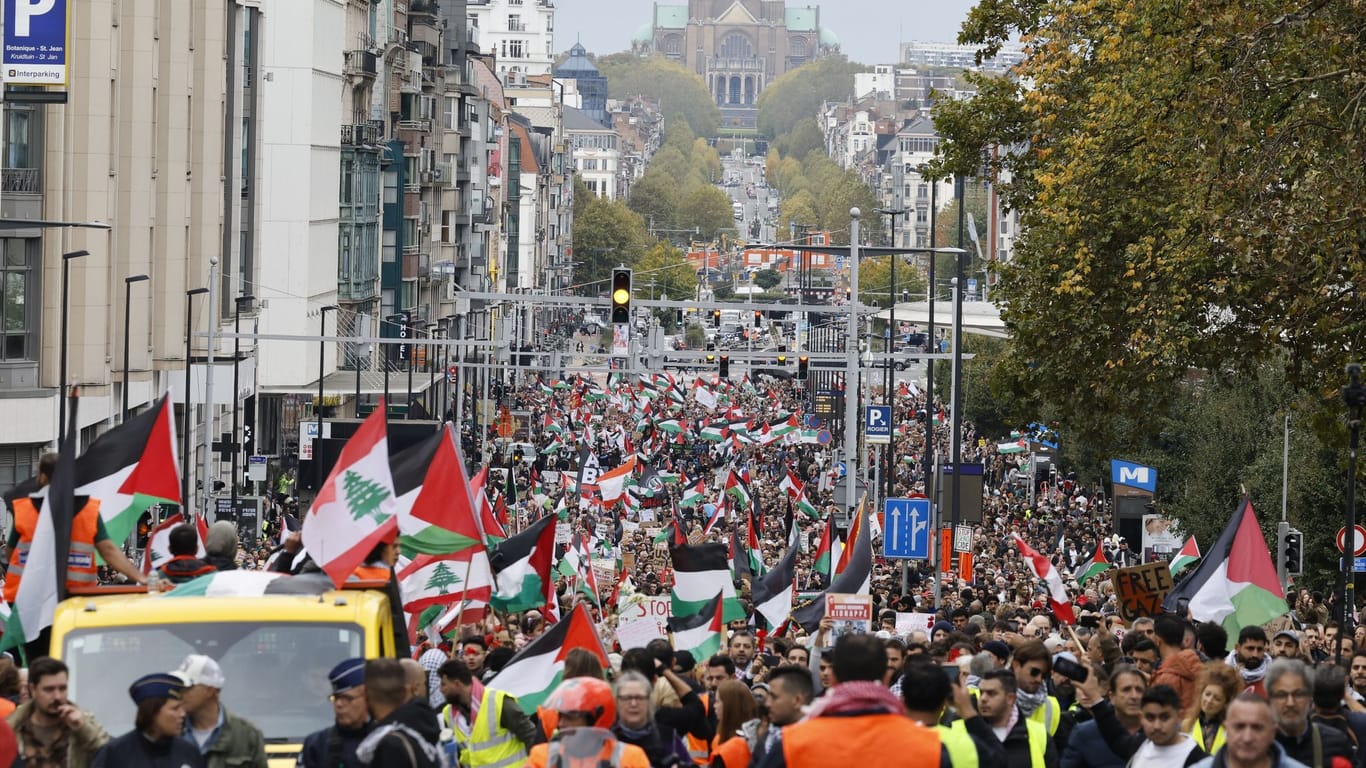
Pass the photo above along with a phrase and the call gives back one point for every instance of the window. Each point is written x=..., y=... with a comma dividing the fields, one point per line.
x=923, y=191
x=798, y=47
x=17, y=326
x=17, y=154
x=450, y=113
x=514, y=49
x=515, y=23
x=736, y=46
x=348, y=178
x=922, y=216
x=18, y=463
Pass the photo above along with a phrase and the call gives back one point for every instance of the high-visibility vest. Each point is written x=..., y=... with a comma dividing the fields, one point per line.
x=734, y=753
x=1038, y=743
x=958, y=742
x=618, y=754
x=80, y=559
x=488, y=744
x=1197, y=733
x=860, y=740
x=700, y=749
x=1050, y=714
x=370, y=573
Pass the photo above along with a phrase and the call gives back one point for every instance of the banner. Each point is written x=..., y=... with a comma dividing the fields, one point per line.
x=35, y=41
x=1140, y=590
x=1162, y=538
x=851, y=614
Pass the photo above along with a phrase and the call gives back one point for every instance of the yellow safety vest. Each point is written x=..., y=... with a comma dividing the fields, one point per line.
x=1038, y=742
x=488, y=744
x=958, y=743
x=1050, y=714
x=1198, y=734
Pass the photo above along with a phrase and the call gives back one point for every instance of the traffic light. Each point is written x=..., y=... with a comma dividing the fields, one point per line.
x=725, y=367
x=621, y=296
x=716, y=318
x=711, y=359
x=758, y=318
x=803, y=364
x=1294, y=553
x=782, y=360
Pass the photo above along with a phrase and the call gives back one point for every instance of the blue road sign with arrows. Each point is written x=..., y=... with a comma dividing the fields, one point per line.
x=907, y=534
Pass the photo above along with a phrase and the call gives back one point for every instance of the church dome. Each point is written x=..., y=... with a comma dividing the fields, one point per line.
x=646, y=34
x=829, y=39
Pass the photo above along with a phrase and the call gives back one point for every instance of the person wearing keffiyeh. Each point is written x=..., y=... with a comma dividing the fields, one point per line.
x=858, y=721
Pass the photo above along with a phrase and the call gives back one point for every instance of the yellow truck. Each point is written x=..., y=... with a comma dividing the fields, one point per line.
x=275, y=651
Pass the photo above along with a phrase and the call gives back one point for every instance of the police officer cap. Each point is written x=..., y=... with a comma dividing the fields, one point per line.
x=158, y=685
x=347, y=675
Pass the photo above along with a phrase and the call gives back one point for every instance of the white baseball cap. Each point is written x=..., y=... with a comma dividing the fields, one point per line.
x=201, y=670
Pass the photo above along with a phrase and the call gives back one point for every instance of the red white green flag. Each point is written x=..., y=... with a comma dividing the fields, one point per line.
x=355, y=508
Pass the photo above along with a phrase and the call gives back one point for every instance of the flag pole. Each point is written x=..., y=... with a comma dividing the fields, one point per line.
x=460, y=614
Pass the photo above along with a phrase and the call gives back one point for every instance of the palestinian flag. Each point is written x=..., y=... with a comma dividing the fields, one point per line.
x=1093, y=567
x=1235, y=586
x=715, y=433
x=784, y=428
x=805, y=506
x=436, y=514
x=488, y=520
x=130, y=468
x=822, y=561
x=856, y=579
x=443, y=579
x=252, y=584
x=773, y=594
x=694, y=495
x=671, y=426
x=158, y=551
x=856, y=527
x=543, y=388
x=612, y=483
x=535, y=671
x=700, y=633
x=699, y=573
x=791, y=484
x=44, y=585
x=1017, y=446
x=355, y=508
x=715, y=516
x=739, y=490
x=1044, y=570
x=740, y=568
x=1189, y=553
x=672, y=534
x=521, y=568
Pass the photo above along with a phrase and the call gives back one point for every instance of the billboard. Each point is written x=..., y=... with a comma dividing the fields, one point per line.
x=35, y=42
x=1126, y=474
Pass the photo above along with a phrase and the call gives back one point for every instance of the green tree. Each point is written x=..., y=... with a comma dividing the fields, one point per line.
x=680, y=92
x=364, y=496
x=442, y=579
x=802, y=140
x=768, y=278
x=798, y=94
x=1249, y=125
x=667, y=269
x=606, y=233
x=705, y=208
x=875, y=281
x=655, y=197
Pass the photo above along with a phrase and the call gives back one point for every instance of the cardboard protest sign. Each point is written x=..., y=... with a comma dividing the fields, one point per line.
x=1140, y=590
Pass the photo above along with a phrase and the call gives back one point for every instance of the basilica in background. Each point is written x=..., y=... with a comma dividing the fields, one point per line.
x=737, y=46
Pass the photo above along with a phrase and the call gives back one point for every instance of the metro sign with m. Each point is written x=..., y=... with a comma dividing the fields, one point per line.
x=1131, y=475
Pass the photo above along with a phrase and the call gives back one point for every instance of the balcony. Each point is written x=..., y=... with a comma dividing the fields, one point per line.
x=421, y=126
x=28, y=180
x=359, y=134
x=360, y=64
x=723, y=64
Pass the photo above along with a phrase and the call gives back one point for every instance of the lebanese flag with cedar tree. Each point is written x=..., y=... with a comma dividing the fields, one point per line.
x=1043, y=568
x=355, y=509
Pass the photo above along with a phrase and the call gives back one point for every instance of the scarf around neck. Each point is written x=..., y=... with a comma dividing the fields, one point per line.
x=1028, y=702
x=860, y=696
x=1250, y=676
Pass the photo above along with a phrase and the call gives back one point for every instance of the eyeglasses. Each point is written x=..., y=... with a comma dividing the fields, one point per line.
x=1284, y=695
x=1033, y=671
x=345, y=698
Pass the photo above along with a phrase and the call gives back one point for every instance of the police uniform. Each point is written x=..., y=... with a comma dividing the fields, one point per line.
x=335, y=747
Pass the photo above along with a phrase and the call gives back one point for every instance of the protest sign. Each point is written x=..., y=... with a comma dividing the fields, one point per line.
x=1139, y=590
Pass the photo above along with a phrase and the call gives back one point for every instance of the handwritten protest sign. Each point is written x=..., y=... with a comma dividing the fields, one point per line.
x=1140, y=590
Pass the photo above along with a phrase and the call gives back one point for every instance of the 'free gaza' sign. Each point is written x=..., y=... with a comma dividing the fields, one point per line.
x=1141, y=589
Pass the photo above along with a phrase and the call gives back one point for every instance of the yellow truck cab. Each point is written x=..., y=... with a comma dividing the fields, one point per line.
x=275, y=651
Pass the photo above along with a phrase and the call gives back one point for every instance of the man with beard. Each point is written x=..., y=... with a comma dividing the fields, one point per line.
x=1086, y=747
x=1031, y=666
x=1290, y=687
x=1358, y=675
x=1249, y=658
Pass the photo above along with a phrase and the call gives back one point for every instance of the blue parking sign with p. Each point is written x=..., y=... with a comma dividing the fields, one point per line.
x=877, y=424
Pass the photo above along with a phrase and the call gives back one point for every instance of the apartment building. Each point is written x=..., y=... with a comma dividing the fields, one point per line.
x=519, y=34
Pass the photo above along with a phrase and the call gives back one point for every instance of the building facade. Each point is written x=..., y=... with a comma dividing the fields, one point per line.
x=738, y=47
x=518, y=34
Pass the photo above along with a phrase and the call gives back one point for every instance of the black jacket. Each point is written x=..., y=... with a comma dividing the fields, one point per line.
x=133, y=750
x=1017, y=747
x=1334, y=743
x=182, y=568
x=334, y=747
x=407, y=738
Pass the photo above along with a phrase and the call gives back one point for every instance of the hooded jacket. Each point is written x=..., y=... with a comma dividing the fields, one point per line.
x=407, y=738
x=1179, y=671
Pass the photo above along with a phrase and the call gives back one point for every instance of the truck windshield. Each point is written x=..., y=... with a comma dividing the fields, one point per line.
x=276, y=672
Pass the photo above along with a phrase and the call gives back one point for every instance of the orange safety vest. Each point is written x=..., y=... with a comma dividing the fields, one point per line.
x=80, y=559
x=859, y=740
x=370, y=573
x=734, y=752
x=618, y=754
x=700, y=749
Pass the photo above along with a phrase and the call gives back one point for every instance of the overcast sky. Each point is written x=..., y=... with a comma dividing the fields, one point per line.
x=869, y=30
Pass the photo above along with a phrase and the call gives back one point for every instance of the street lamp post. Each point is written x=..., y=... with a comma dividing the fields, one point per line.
x=241, y=301
x=66, y=322
x=127, y=318
x=318, y=440
x=1354, y=397
x=432, y=365
x=890, y=377
x=186, y=464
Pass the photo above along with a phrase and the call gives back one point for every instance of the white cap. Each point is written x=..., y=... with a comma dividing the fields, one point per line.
x=201, y=670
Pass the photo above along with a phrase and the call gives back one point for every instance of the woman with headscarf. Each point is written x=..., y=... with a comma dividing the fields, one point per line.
x=155, y=741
